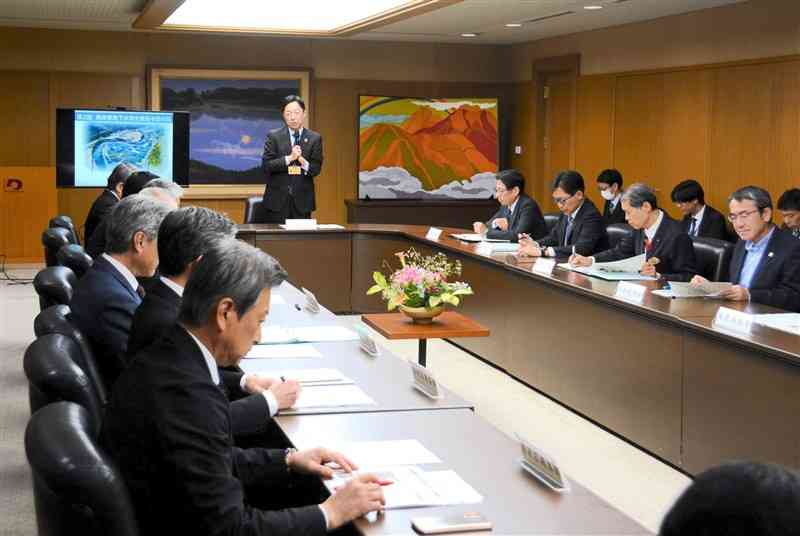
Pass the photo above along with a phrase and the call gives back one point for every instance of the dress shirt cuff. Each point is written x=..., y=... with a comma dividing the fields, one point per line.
x=549, y=252
x=325, y=516
x=494, y=225
x=306, y=166
x=272, y=402
x=286, y=158
x=591, y=259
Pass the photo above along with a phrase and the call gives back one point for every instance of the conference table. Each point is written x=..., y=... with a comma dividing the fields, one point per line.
x=656, y=373
x=486, y=459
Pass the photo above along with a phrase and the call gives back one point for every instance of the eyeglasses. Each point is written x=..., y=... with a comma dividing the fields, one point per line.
x=498, y=191
x=733, y=217
x=292, y=113
x=563, y=201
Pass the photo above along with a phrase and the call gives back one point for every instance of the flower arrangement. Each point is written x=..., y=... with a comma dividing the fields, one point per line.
x=420, y=282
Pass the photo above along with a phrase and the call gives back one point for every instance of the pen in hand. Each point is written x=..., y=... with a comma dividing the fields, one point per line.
x=297, y=307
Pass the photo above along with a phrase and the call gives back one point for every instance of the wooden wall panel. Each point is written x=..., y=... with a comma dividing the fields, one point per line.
x=783, y=165
x=522, y=134
x=24, y=135
x=594, y=132
x=24, y=215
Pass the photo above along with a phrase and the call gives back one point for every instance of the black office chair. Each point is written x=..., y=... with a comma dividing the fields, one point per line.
x=52, y=240
x=78, y=489
x=550, y=220
x=252, y=209
x=65, y=222
x=616, y=231
x=51, y=367
x=55, y=319
x=75, y=258
x=54, y=285
x=713, y=257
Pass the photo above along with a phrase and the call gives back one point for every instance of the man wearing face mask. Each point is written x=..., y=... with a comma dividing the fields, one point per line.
x=609, y=182
x=518, y=214
x=292, y=158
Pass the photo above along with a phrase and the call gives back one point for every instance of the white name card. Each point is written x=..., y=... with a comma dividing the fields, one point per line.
x=300, y=224
x=424, y=381
x=433, y=234
x=366, y=342
x=543, y=467
x=543, y=266
x=312, y=305
x=732, y=320
x=630, y=292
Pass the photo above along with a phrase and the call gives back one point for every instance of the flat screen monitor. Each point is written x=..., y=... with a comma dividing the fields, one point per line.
x=90, y=144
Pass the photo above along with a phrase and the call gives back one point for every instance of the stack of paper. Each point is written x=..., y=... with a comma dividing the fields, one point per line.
x=385, y=453
x=272, y=334
x=687, y=290
x=622, y=270
x=314, y=376
x=305, y=224
x=788, y=322
x=332, y=396
x=468, y=237
x=326, y=226
x=282, y=351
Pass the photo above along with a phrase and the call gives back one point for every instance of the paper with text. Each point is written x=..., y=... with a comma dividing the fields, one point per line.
x=282, y=351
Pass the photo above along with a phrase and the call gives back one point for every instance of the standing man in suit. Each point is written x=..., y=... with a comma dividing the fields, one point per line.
x=168, y=422
x=655, y=234
x=580, y=228
x=107, y=295
x=789, y=207
x=518, y=214
x=699, y=219
x=107, y=199
x=183, y=238
x=292, y=158
x=765, y=266
x=609, y=182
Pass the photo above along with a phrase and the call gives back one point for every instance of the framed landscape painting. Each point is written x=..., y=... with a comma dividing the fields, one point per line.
x=231, y=113
x=424, y=148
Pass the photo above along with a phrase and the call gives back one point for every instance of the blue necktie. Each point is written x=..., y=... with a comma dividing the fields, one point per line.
x=295, y=138
x=568, y=231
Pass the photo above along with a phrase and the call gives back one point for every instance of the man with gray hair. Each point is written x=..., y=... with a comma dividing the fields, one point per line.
x=765, y=265
x=668, y=250
x=107, y=295
x=168, y=423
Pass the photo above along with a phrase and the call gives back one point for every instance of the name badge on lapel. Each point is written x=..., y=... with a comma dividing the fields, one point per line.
x=295, y=170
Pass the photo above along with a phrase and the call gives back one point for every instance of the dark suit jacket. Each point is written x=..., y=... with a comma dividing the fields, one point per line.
x=100, y=209
x=281, y=185
x=671, y=246
x=615, y=216
x=96, y=243
x=588, y=233
x=714, y=225
x=155, y=317
x=777, y=278
x=169, y=428
x=526, y=218
x=102, y=308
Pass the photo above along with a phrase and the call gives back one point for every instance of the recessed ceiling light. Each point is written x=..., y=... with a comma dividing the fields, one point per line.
x=469, y=34
x=513, y=25
x=592, y=7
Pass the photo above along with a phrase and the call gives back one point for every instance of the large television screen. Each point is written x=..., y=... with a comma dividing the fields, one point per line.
x=427, y=148
x=90, y=144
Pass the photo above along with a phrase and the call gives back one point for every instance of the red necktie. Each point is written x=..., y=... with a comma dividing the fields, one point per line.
x=648, y=245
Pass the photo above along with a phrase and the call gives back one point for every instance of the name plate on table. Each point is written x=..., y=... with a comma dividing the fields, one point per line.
x=312, y=305
x=543, y=467
x=433, y=234
x=425, y=381
x=366, y=342
x=630, y=292
x=302, y=224
x=732, y=320
x=543, y=266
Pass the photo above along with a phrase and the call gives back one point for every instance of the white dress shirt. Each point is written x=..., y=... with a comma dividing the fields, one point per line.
x=698, y=219
x=122, y=269
x=299, y=137
x=651, y=231
x=511, y=208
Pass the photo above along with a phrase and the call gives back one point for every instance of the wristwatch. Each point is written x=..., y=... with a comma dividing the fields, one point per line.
x=286, y=453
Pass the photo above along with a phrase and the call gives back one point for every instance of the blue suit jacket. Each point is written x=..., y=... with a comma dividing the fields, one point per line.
x=102, y=308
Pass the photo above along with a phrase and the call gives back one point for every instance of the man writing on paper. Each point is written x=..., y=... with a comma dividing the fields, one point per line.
x=168, y=422
x=580, y=228
x=518, y=214
x=668, y=250
x=765, y=266
x=292, y=158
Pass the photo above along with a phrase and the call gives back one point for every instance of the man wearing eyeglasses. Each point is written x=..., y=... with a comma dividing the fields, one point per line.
x=668, y=250
x=765, y=266
x=519, y=214
x=580, y=228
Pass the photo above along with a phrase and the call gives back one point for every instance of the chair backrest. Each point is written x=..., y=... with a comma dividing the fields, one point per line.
x=550, y=220
x=251, y=209
x=713, y=257
x=75, y=258
x=616, y=231
x=55, y=319
x=78, y=488
x=52, y=240
x=54, y=285
x=51, y=366
x=65, y=222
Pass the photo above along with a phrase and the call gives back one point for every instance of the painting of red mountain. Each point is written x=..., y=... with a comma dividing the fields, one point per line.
x=411, y=148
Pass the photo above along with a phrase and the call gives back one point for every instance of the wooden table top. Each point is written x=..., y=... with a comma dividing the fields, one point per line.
x=449, y=324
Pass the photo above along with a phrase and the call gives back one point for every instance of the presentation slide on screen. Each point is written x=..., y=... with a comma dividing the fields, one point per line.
x=103, y=139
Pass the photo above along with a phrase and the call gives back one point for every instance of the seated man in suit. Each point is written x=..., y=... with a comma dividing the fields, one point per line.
x=737, y=499
x=107, y=295
x=519, y=214
x=765, y=266
x=699, y=219
x=183, y=238
x=580, y=228
x=668, y=250
x=789, y=207
x=609, y=182
x=107, y=199
x=168, y=422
